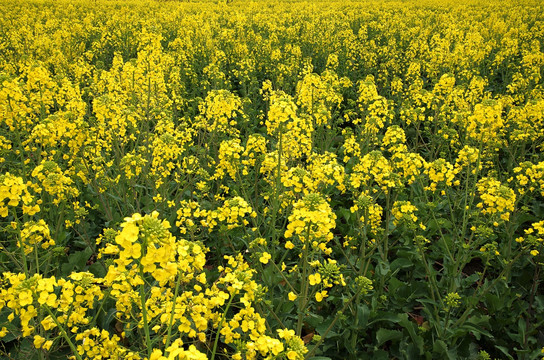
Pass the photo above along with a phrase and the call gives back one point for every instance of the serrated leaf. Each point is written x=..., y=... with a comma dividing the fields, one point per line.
x=441, y=348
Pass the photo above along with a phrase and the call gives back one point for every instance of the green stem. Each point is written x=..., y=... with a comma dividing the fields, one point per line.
x=63, y=333
x=172, y=312
x=104, y=300
x=274, y=315
x=305, y=283
x=283, y=276
x=465, y=315
x=36, y=258
x=385, y=242
x=23, y=255
x=386, y=232
x=329, y=328
x=276, y=204
x=433, y=287
x=144, y=314
x=220, y=326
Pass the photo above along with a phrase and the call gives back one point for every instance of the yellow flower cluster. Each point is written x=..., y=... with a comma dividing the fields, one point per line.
x=220, y=111
x=468, y=158
x=403, y=211
x=484, y=123
x=132, y=165
x=496, y=198
x=232, y=213
x=311, y=222
x=14, y=191
x=372, y=168
x=168, y=147
x=441, y=173
x=322, y=173
x=292, y=132
x=55, y=182
x=320, y=95
x=530, y=177
x=534, y=238
x=452, y=300
x=67, y=301
x=394, y=138
x=371, y=213
x=158, y=284
x=229, y=159
x=375, y=109
x=188, y=212
x=326, y=276
x=35, y=234
x=255, y=148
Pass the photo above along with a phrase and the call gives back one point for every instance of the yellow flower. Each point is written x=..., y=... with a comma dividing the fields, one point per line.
x=534, y=252
x=25, y=298
x=319, y=296
x=291, y=355
x=314, y=279
x=47, y=298
x=265, y=257
x=38, y=341
x=48, y=323
x=156, y=355
x=292, y=296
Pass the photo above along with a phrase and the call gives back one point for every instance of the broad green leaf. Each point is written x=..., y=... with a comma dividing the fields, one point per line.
x=384, y=335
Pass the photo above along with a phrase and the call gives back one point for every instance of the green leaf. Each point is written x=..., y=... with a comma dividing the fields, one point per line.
x=380, y=355
x=346, y=213
x=97, y=269
x=76, y=261
x=394, y=285
x=479, y=320
x=521, y=327
x=494, y=302
x=314, y=319
x=401, y=263
x=384, y=335
x=441, y=348
x=474, y=330
x=386, y=316
x=13, y=327
x=323, y=326
x=363, y=313
x=382, y=268
x=504, y=351
x=411, y=328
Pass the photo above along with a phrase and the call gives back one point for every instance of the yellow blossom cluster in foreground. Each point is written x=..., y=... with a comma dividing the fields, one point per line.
x=271, y=179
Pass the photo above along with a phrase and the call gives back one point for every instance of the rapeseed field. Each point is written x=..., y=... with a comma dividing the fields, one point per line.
x=271, y=179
